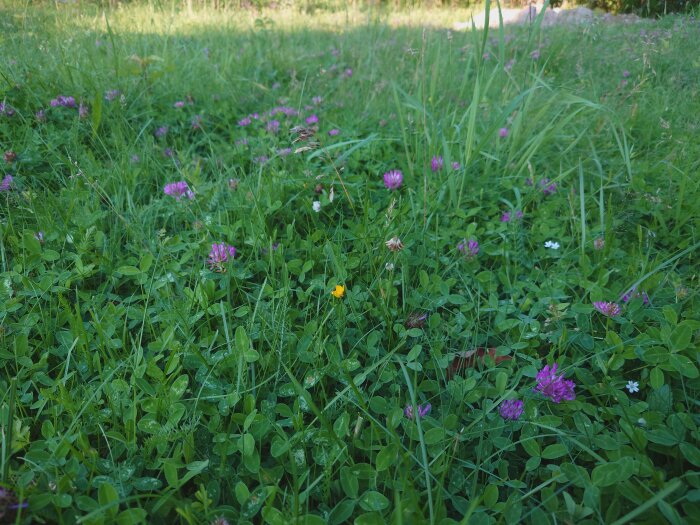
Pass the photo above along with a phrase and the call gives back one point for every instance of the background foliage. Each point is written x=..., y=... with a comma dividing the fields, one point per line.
x=138, y=385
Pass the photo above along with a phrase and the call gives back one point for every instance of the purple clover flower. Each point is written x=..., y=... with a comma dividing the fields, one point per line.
x=6, y=109
x=60, y=100
x=83, y=111
x=333, y=132
x=634, y=294
x=112, y=94
x=244, y=122
x=469, y=248
x=503, y=132
x=436, y=163
x=161, y=132
x=179, y=104
x=607, y=309
x=508, y=217
x=273, y=126
x=423, y=410
x=317, y=100
x=283, y=152
x=393, y=179
x=178, y=190
x=313, y=119
x=40, y=115
x=554, y=386
x=456, y=166
x=511, y=409
x=548, y=187
x=219, y=255
x=6, y=183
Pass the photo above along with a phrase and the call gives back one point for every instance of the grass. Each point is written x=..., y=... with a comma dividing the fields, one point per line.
x=141, y=384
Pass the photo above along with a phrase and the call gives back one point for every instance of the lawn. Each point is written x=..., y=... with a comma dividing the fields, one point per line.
x=347, y=267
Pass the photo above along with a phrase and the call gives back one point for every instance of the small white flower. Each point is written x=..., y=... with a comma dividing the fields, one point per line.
x=551, y=244
x=632, y=387
x=389, y=267
x=316, y=206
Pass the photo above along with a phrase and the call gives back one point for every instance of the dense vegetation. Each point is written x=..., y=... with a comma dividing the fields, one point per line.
x=355, y=268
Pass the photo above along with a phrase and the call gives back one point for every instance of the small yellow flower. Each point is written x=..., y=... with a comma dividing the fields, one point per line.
x=339, y=291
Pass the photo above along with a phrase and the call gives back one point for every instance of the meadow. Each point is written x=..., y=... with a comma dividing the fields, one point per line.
x=347, y=267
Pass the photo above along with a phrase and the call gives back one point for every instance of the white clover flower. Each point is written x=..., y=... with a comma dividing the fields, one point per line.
x=394, y=244
x=389, y=267
x=316, y=206
x=632, y=387
x=551, y=244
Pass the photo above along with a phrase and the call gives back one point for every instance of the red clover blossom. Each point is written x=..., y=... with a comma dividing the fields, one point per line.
x=553, y=386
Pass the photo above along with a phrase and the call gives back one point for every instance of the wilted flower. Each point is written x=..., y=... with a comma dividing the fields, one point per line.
x=554, y=387
x=233, y=184
x=178, y=190
x=469, y=248
x=262, y=159
x=511, y=409
x=83, y=111
x=389, y=267
x=535, y=55
x=503, y=132
x=317, y=100
x=10, y=156
x=436, y=163
x=394, y=244
x=393, y=179
x=9, y=501
x=6, y=183
x=599, y=243
x=608, y=309
x=196, y=122
x=339, y=291
x=40, y=115
x=39, y=236
x=423, y=410
x=220, y=521
x=219, y=255
x=551, y=244
x=283, y=152
x=316, y=206
x=632, y=387
x=416, y=320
